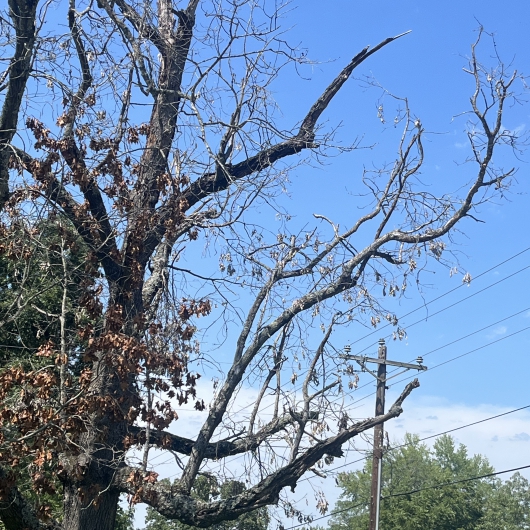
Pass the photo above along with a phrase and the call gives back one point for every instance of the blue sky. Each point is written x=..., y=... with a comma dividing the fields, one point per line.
x=426, y=67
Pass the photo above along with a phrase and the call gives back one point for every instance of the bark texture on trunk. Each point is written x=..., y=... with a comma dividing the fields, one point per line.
x=89, y=515
x=23, y=13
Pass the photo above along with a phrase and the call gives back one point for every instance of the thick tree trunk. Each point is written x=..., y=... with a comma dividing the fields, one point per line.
x=90, y=514
x=89, y=501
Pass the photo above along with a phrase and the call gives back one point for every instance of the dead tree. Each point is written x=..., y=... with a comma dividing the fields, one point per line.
x=147, y=130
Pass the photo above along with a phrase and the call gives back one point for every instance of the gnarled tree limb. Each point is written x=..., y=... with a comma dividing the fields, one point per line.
x=170, y=503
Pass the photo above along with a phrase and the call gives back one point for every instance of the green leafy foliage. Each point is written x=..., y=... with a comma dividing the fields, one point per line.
x=508, y=507
x=418, y=473
x=124, y=519
x=37, y=263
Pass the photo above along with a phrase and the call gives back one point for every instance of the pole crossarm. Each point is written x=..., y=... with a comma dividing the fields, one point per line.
x=362, y=359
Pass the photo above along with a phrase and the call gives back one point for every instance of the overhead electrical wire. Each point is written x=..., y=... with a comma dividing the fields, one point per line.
x=434, y=314
x=423, y=355
x=449, y=430
x=422, y=307
x=421, y=320
x=390, y=449
x=436, y=366
x=454, y=342
x=459, y=481
x=468, y=352
x=448, y=293
x=507, y=260
x=440, y=348
x=412, y=492
x=449, y=361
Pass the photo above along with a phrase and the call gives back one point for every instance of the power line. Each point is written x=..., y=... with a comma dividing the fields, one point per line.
x=451, y=360
x=437, y=434
x=436, y=349
x=428, y=438
x=447, y=307
x=475, y=332
x=411, y=492
x=424, y=355
x=445, y=432
x=469, y=425
x=432, y=368
x=472, y=351
x=450, y=344
x=460, y=481
x=434, y=314
x=447, y=293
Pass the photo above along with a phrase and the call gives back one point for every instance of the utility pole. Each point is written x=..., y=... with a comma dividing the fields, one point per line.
x=378, y=438
x=381, y=378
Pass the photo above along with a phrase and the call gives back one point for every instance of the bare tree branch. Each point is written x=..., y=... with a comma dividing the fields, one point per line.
x=170, y=503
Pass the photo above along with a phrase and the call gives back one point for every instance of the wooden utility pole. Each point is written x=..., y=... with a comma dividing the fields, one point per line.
x=382, y=379
x=378, y=438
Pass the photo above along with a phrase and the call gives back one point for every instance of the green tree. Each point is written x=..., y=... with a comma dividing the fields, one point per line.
x=124, y=519
x=508, y=507
x=208, y=489
x=414, y=467
x=42, y=266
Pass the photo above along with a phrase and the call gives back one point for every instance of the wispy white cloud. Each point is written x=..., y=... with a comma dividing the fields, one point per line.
x=520, y=437
x=516, y=131
x=493, y=439
x=501, y=330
